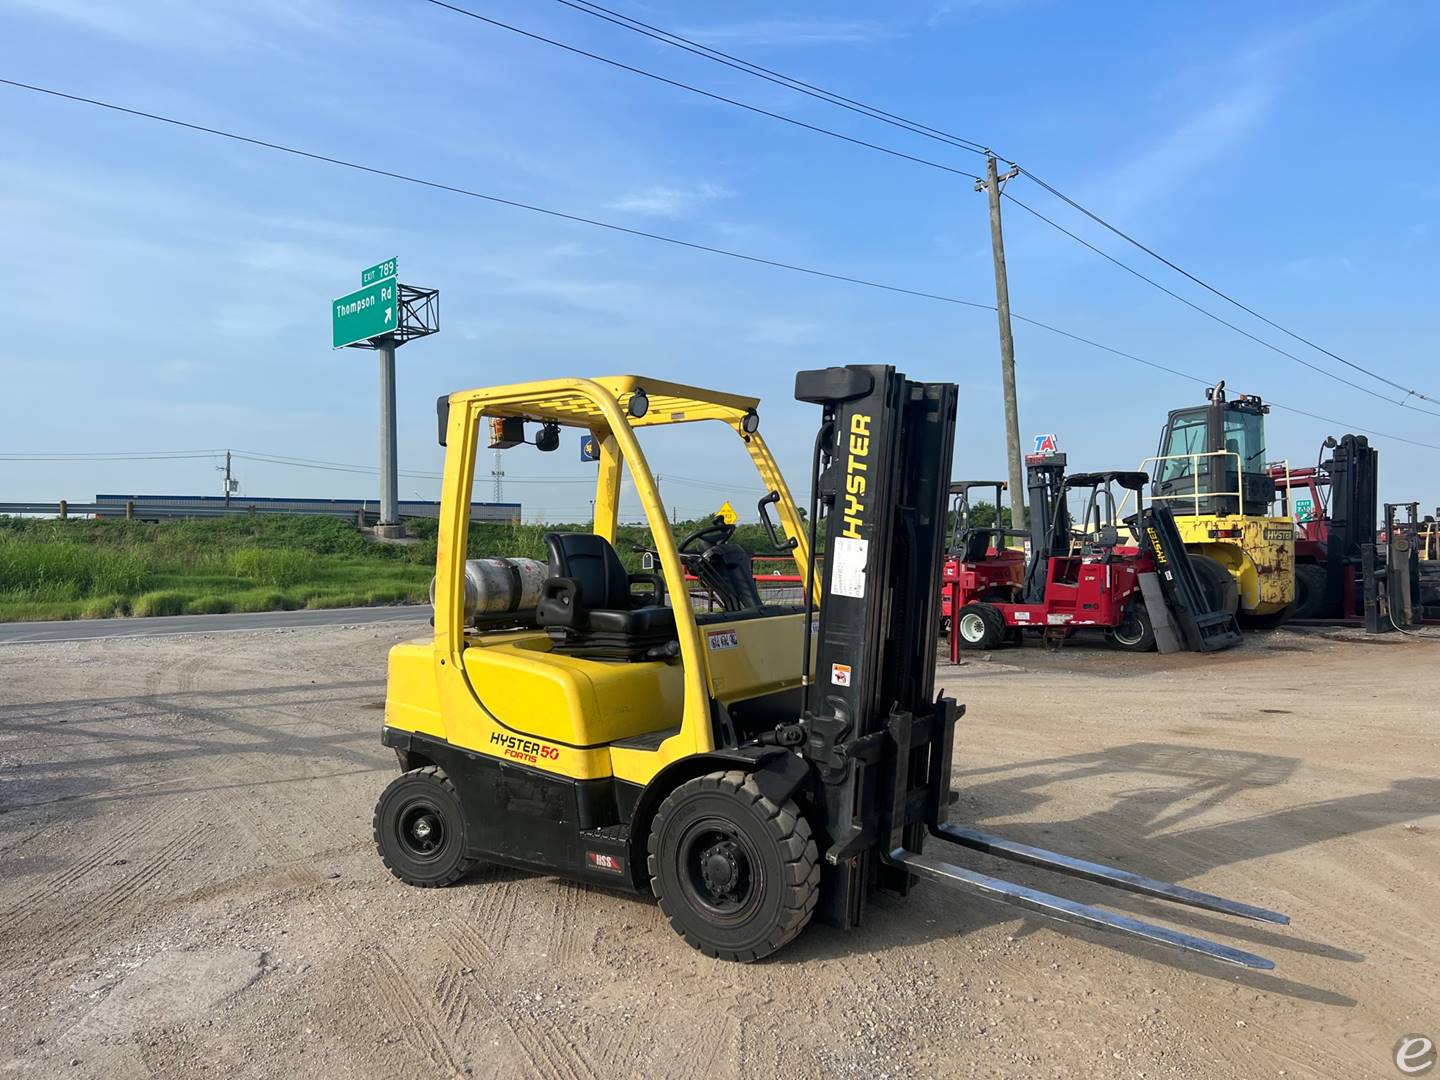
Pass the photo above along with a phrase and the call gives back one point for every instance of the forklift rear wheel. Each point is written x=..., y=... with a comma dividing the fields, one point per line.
x=1136, y=633
x=420, y=829
x=980, y=626
x=1310, y=582
x=737, y=874
x=1221, y=590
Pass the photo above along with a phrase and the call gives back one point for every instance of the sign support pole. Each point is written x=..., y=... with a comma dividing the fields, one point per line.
x=389, y=468
x=382, y=315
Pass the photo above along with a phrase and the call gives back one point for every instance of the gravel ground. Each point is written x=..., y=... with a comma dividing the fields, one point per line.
x=187, y=884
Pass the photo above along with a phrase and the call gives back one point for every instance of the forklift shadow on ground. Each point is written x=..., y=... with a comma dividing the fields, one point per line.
x=1126, y=830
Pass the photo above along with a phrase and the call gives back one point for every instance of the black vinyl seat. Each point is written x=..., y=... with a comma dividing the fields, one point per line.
x=975, y=544
x=589, y=610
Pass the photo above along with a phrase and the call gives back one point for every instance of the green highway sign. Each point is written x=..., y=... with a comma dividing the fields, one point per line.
x=379, y=272
x=366, y=313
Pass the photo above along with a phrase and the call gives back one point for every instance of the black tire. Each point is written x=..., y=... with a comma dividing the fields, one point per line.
x=1310, y=585
x=1273, y=621
x=1221, y=589
x=420, y=829
x=736, y=874
x=1136, y=633
x=980, y=626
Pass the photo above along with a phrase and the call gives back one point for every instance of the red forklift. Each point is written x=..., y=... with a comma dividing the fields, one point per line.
x=1143, y=595
x=977, y=555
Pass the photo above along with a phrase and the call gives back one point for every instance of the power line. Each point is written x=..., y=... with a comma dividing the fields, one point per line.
x=1408, y=391
x=1205, y=311
x=336, y=466
x=468, y=193
x=689, y=45
x=120, y=455
x=915, y=127
x=435, y=185
x=697, y=90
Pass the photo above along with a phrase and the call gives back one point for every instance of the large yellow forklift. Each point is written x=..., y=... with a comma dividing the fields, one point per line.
x=1211, y=472
x=752, y=767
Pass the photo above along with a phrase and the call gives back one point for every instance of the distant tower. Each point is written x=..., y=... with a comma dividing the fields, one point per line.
x=498, y=473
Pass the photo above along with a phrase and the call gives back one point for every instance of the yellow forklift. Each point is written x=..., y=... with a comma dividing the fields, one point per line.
x=752, y=767
x=1211, y=472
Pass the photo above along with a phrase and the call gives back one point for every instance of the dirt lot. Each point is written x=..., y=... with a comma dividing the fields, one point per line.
x=187, y=884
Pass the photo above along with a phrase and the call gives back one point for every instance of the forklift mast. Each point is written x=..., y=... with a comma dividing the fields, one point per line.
x=880, y=495
x=1354, y=495
x=877, y=740
x=1049, y=519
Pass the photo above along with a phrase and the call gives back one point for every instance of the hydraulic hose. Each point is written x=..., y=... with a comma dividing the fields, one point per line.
x=822, y=440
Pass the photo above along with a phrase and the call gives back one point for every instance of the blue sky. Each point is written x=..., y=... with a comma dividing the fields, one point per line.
x=169, y=291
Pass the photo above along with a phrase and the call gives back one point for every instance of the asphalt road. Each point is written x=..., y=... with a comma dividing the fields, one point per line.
x=29, y=633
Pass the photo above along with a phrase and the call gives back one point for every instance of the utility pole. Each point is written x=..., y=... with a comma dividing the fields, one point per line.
x=230, y=484
x=497, y=473
x=991, y=185
x=389, y=469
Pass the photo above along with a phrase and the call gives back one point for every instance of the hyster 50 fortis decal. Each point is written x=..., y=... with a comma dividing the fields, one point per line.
x=855, y=479
x=519, y=748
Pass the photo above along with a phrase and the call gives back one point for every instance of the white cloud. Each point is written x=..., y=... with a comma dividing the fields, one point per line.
x=1318, y=267
x=1204, y=137
x=1251, y=81
x=219, y=24
x=661, y=200
x=957, y=9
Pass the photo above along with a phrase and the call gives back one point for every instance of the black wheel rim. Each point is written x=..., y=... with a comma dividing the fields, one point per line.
x=420, y=829
x=720, y=870
x=1131, y=630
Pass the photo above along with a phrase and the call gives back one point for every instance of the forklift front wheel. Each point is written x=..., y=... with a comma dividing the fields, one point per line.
x=420, y=829
x=980, y=626
x=1135, y=633
x=736, y=874
x=1221, y=591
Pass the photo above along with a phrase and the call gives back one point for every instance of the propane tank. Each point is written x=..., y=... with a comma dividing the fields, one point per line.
x=498, y=586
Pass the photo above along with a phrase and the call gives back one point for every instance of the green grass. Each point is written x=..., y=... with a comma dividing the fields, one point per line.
x=99, y=569
x=86, y=569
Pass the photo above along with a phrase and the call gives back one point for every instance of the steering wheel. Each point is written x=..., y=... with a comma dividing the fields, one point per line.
x=717, y=532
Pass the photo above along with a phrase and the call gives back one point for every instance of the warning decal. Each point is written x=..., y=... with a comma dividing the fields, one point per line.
x=840, y=674
x=724, y=639
x=847, y=572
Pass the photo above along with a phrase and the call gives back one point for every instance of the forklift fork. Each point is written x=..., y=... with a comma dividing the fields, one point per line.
x=939, y=732
x=1070, y=911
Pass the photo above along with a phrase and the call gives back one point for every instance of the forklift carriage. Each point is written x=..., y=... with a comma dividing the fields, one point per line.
x=752, y=767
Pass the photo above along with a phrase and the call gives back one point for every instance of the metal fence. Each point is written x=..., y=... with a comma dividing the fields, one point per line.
x=152, y=508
